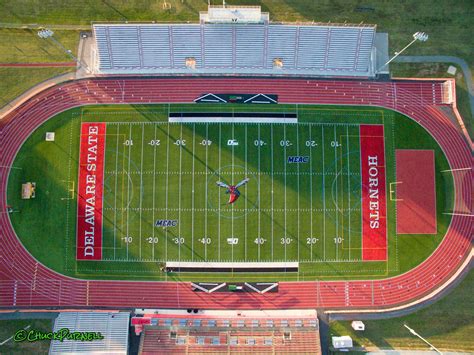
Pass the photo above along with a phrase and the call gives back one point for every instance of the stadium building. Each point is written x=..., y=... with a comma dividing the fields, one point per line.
x=238, y=40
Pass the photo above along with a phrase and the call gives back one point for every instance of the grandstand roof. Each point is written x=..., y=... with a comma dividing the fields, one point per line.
x=112, y=326
x=248, y=49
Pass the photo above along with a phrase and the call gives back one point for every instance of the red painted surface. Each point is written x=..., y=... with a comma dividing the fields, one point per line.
x=26, y=283
x=374, y=210
x=90, y=191
x=416, y=192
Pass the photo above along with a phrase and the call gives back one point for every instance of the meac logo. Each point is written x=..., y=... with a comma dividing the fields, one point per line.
x=297, y=159
x=166, y=223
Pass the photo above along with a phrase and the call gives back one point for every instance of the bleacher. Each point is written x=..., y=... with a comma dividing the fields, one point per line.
x=231, y=48
x=238, y=333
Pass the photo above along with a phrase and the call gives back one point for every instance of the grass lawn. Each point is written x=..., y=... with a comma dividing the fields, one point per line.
x=8, y=329
x=16, y=81
x=145, y=182
x=448, y=22
x=447, y=324
x=24, y=46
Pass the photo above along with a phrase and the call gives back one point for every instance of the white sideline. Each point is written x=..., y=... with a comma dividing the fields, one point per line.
x=232, y=120
x=233, y=265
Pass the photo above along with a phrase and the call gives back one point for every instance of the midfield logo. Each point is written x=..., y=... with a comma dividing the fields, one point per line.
x=297, y=159
x=232, y=142
x=166, y=223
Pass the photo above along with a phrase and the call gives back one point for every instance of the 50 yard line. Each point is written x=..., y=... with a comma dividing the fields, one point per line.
x=154, y=190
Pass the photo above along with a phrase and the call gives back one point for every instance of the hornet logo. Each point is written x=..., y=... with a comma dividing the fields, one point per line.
x=232, y=190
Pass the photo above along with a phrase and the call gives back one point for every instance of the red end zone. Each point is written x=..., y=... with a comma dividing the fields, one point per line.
x=90, y=192
x=374, y=215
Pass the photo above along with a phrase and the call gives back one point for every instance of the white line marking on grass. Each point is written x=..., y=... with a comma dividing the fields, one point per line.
x=246, y=194
x=153, y=196
x=167, y=178
x=337, y=200
x=219, y=215
x=298, y=187
x=141, y=192
x=115, y=196
x=205, y=206
x=232, y=183
x=179, y=192
x=271, y=147
x=284, y=162
x=348, y=188
x=128, y=184
x=259, y=210
x=324, y=196
x=192, y=197
x=311, y=193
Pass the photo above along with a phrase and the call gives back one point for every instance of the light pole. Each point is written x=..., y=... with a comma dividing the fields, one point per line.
x=418, y=36
x=419, y=336
x=47, y=33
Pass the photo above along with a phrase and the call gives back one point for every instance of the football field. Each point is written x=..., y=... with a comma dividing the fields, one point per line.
x=162, y=203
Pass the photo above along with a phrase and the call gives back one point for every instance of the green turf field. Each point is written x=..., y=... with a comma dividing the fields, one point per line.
x=157, y=170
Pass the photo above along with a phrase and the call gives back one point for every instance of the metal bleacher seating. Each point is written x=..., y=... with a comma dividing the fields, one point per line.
x=327, y=50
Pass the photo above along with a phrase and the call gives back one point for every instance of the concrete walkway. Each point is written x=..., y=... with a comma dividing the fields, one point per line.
x=444, y=59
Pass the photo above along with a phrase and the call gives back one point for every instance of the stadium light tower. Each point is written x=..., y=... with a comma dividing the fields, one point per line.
x=417, y=36
x=419, y=336
x=47, y=33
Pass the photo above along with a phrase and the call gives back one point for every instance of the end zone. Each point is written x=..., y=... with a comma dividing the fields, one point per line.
x=374, y=210
x=90, y=192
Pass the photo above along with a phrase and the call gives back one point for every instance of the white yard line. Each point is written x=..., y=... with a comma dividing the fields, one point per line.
x=166, y=200
x=271, y=147
x=259, y=210
x=154, y=196
x=232, y=206
x=115, y=195
x=246, y=194
x=192, y=197
x=206, y=203
x=324, y=196
x=284, y=162
x=141, y=192
x=219, y=201
x=311, y=194
x=179, y=192
x=337, y=200
x=348, y=189
x=298, y=186
x=128, y=184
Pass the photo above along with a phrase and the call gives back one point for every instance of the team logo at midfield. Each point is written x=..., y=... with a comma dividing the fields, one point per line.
x=232, y=190
x=166, y=223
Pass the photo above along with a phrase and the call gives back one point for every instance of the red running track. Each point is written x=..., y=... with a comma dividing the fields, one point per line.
x=26, y=283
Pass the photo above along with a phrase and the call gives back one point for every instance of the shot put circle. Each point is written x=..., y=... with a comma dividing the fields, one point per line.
x=217, y=198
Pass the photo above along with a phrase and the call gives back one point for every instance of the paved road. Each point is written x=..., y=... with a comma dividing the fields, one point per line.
x=444, y=59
